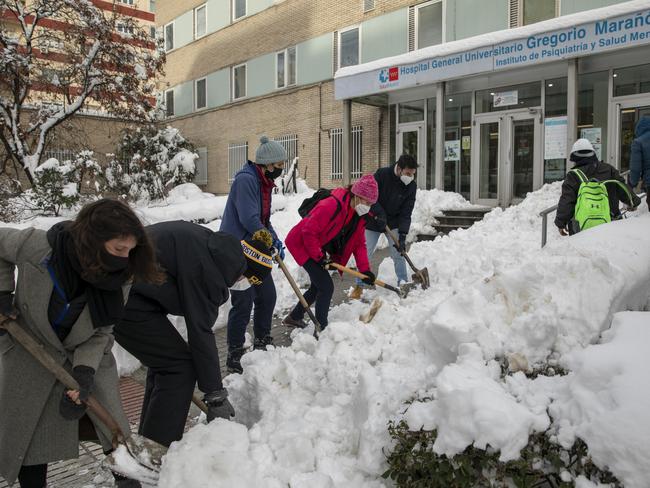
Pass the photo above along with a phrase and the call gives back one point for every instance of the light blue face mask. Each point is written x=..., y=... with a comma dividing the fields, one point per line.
x=241, y=284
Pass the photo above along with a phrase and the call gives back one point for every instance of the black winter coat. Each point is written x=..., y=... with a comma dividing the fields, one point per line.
x=598, y=170
x=200, y=265
x=395, y=204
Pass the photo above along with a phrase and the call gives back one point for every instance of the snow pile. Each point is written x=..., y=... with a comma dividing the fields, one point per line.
x=605, y=397
x=185, y=202
x=183, y=159
x=318, y=410
x=428, y=204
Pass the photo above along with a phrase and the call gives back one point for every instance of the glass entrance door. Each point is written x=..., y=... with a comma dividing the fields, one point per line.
x=411, y=140
x=507, y=158
x=629, y=116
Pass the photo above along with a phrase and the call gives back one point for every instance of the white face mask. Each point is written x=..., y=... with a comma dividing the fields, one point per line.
x=406, y=179
x=362, y=209
x=241, y=285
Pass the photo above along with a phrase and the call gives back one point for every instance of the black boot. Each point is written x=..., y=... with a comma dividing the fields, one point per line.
x=233, y=363
x=289, y=321
x=124, y=482
x=261, y=343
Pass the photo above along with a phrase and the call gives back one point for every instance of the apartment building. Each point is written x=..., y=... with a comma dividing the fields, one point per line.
x=91, y=128
x=487, y=94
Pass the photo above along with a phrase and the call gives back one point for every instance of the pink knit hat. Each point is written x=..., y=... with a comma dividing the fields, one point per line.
x=366, y=188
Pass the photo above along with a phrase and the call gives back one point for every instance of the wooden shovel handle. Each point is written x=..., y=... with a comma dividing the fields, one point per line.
x=301, y=298
x=356, y=273
x=40, y=354
x=401, y=251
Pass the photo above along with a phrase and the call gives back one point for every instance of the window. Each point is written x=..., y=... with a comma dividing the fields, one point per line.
x=336, y=142
x=285, y=65
x=237, y=158
x=429, y=24
x=169, y=36
x=169, y=103
x=290, y=144
x=538, y=10
x=152, y=32
x=152, y=5
x=508, y=97
x=238, y=9
x=128, y=2
x=632, y=80
x=239, y=81
x=200, y=17
x=200, y=94
x=525, y=12
x=349, y=47
x=125, y=29
x=368, y=5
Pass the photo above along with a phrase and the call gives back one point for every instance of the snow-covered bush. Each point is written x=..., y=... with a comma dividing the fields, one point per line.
x=148, y=162
x=58, y=185
x=543, y=462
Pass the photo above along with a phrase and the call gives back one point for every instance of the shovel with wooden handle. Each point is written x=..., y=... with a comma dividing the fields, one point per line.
x=301, y=298
x=401, y=293
x=420, y=275
x=145, y=452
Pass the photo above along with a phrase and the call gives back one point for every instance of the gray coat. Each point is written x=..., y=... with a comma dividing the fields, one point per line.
x=31, y=429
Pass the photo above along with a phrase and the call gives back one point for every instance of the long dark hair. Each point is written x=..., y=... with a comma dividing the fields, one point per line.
x=106, y=219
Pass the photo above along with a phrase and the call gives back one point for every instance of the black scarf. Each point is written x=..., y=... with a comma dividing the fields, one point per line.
x=102, y=294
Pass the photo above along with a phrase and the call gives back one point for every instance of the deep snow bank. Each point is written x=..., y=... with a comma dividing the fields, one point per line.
x=317, y=411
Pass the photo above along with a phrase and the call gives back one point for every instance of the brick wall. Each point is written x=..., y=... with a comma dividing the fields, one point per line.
x=309, y=112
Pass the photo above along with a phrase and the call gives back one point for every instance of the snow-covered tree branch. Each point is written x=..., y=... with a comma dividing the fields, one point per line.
x=58, y=57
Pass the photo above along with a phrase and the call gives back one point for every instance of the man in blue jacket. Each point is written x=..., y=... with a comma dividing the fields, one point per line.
x=248, y=210
x=640, y=156
x=397, y=190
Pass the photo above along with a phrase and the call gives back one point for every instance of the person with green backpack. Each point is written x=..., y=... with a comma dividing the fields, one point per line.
x=591, y=192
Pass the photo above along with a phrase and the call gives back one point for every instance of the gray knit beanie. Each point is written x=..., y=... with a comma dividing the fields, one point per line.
x=269, y=152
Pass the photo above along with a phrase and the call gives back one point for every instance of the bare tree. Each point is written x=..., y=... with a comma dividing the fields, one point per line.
x=58, y=57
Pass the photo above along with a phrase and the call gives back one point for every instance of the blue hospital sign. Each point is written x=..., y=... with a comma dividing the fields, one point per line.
x=579, y=40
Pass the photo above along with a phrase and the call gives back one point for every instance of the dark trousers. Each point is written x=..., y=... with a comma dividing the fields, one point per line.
x=320, y=291
x=33, y=476
x=171, y=376
x=263, y=297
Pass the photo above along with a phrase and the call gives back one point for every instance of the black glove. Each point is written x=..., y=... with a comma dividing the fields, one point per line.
x=218, y=405
x=7, y=309
x=70, y=410
x=402, y=242
x=324, y=261
x=370, y=278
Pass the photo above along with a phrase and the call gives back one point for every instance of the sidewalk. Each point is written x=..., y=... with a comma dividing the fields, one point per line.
x=86, y=471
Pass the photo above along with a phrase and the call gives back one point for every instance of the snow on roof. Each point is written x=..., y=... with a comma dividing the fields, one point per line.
x=497, y=37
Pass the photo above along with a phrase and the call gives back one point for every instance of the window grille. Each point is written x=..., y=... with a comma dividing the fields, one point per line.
x=368, y=5
x=60, y=155
x=336, y=137
x=237, y=158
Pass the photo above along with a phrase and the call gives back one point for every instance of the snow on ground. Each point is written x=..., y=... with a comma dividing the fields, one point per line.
x=315, y=413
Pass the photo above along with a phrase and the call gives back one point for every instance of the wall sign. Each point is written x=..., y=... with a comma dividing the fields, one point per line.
x=555, y=137
x=505, y=99
x=632, y=29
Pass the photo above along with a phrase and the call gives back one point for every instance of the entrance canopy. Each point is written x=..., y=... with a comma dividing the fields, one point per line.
x=571, y=36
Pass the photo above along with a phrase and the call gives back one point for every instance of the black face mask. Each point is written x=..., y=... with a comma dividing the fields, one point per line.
x=114, y=264
x=273, y=174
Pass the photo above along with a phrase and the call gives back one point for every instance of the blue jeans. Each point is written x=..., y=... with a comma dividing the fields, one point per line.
x=263, y=297
x=399, y=262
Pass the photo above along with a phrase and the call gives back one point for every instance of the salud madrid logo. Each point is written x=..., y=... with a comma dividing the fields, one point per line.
x=389, y=77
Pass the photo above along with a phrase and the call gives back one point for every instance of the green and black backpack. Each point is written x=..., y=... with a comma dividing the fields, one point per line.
x=592, y=206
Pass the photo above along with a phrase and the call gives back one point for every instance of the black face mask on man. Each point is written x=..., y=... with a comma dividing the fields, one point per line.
x=273, y=174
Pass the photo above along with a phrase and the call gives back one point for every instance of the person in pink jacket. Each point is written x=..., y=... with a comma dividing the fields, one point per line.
x=333, y=231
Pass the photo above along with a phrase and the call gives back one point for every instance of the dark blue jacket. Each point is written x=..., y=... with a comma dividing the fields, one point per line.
x=640, y=153
x=395, y=204
x=243, y=213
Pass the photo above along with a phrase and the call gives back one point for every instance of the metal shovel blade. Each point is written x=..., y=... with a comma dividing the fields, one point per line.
x=146, y=452
x=121, y=461
x=421, y=276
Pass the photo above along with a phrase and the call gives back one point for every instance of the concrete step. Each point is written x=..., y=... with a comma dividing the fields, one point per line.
x=460, y=220
x=478, y=212
x=444, y=229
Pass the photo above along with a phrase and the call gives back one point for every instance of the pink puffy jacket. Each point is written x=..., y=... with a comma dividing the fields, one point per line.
x=307, y=238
